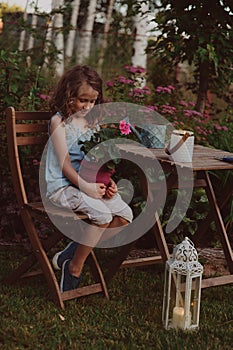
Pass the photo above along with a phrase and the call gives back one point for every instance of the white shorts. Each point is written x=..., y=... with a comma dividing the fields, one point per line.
x=99, y=211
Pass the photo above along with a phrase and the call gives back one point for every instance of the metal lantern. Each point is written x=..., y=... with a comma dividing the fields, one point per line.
x=182, y=288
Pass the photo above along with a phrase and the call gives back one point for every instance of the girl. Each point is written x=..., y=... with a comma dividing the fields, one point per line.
x=77, y=92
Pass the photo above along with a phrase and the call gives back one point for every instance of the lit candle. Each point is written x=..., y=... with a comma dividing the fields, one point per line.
x=178, y=317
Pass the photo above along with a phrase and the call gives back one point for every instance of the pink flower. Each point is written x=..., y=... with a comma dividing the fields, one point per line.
x=218, y=127
x=153, y=108
x=159, y=89
x=168, y=109
x=35, y=162
x=110, y=83
x=183, y=103
x=124, y=80
x=124, y=127
x=44, y=97
x=133, y=69
x=165, y=89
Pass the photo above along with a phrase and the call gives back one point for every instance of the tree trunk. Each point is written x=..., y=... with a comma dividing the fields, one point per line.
x=84, y=43
x=59, y=39
x=31, y=37
x=23, y=32
x=33, y=26
x=139, y=57
x=48, y=40
x=72, y=32
x=105, y=36
x=203, y=86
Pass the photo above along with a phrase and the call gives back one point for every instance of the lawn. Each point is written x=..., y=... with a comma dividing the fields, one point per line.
x=131, y=319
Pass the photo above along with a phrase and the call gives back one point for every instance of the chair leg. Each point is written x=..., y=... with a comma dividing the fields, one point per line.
x=97, y=272
x=42, y=258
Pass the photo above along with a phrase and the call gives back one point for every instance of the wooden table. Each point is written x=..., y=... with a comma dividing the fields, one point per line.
x=204, y=161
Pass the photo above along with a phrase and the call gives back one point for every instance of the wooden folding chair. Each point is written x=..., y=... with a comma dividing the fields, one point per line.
x=26, y=131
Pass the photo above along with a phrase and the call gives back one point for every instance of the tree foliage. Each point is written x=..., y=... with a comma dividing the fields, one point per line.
x=199, y=31
x=5, y=8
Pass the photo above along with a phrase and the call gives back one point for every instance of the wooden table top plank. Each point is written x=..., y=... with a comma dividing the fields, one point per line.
x=204, y=158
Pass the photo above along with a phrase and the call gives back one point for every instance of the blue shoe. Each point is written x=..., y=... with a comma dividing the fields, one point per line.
x=68, y=281
x=65, y=254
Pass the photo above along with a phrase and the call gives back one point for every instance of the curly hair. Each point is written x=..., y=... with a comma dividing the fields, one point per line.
x=68, y=86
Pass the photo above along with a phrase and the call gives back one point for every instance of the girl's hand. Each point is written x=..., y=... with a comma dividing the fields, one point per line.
x=111, y=189
x=94, y=190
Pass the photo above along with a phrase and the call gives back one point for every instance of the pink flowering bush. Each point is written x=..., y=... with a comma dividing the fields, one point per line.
x=129, y=88
x=222, y=131
x=167, y=101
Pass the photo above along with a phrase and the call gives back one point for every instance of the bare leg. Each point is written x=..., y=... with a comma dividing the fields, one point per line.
x=82, y=252
x=115, y=226
x=118, y=221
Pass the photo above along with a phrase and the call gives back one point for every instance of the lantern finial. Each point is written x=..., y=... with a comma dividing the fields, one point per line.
x=185, y=258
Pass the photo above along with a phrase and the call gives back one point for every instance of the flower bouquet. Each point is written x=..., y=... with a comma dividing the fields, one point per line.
x=101, y=153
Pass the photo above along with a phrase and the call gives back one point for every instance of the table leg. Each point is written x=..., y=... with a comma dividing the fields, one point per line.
x=205, y=224
x=219, y=222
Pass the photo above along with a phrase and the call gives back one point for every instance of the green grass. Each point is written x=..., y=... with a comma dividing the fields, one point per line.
x=131, y=319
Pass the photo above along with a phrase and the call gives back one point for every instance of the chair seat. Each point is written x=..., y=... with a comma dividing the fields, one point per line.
x=53, y=210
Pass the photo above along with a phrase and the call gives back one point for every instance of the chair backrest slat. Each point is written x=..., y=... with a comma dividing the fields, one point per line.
x=24, y=128
x=28, y=115
x=31, y=140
